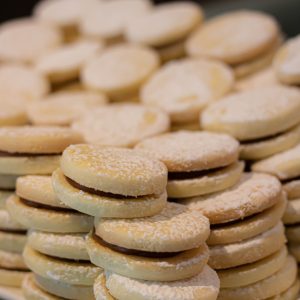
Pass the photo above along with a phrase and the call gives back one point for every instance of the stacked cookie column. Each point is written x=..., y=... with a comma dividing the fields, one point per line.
x=146, y=246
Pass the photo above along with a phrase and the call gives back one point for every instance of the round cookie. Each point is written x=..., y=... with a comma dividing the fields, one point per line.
x=252, y=194
x=248, y=227
x=114, y=170
x=251, y=273
x=247, y=251
x=70, y=246
x=12, y=241
x=122, y=125
x=268, y=287
x=287, y=62
x=292, y=212
x=24, y=40
x=11, y=261
x=254, y=114
x=62, y=108
x=66, y=271
x=106, y=205
x=290, y=294
x=292, y=188
x=205, y=285
x=284, y=165
x=120, y=70
x=9, y=224
x=234, y=37
x=183, y=88
x=64, y=63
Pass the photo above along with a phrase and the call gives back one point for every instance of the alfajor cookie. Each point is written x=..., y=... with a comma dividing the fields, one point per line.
x=287, y=62
x=63, y=108
x=110, y=182
x=15, y=36
x=166, y=28
x=121, y=125
x=198, y=162
x=33, y=150
x=183, y=88
x=204, y=286
x=120, y=70
x=165, y=247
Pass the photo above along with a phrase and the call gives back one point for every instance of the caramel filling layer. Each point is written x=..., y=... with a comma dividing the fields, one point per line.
x=20, y=154
x=14, y=231
x=14, y=269
x=192, y=174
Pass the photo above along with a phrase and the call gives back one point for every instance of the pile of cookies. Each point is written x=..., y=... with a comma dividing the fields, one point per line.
x=146, y=153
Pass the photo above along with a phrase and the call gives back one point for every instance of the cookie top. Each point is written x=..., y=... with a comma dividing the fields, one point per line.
x=191, y=151
x=254, y=113
x=165, y=24
x=114, y=170
x=252, y=194
x=22, y=82
x=37, y=140
x=284, y=165
x=176, y=228
x=62, y=108
x=234, y=37
x=287, y=62
x=182, y=88
x=24, y=40
x=65, y=62
x=122, y=124
x=120, y=68
x=108, y=19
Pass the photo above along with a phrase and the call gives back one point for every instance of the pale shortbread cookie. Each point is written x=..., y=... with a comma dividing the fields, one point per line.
x=252, y=194
x=284, y=165
x=64, y=63
x=65, y=271
x=38, y=189
x=11, y=293
x=186, y=151
x=22, y=84
x=114, y=170
x=290, y=294
x=287, y=62
x=251, y=273
x=64, y=107
x=249, y=227
x=7, y=183
x=64, y=290
x=181, y=266
x=46, y=219
x=24, y=40
x=183, y=88
x=293, y=233
x=7, y=223
x=10, y=260
x=13, y=111
x=268, y=287
x=165, y=24
x=234, y=37
x=292, y=212
x=121, y=125
x=292, y=188
x=255, y=113
x=37, y=139
x=270, y=146
x=120, y=70
x=204, y=286
x=176, y=228
x=109, y=19
x=70, y=246
x=248, y=251
x=12, y=241
x=106, y=205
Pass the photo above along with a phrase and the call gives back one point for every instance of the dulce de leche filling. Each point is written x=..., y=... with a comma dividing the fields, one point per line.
x=21, y=154
x=192, y=174
x=45, y=206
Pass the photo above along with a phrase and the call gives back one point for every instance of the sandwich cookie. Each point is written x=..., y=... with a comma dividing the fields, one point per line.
x=290, y=294
x=24, y=40
x=36, y=206
x=63, y=108
x=108, y=20
x=33, y=150
x=166, y=28
x=264, y=120
x=198, y=162
x=204, y=286
x=64, y=64
x=121, y=125
x=166, y=247
x=120, y=71
x=183, y=88
x=287, y=62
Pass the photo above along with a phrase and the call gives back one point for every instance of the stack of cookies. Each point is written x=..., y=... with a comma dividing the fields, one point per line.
x=147, y=247
x=247, y=241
